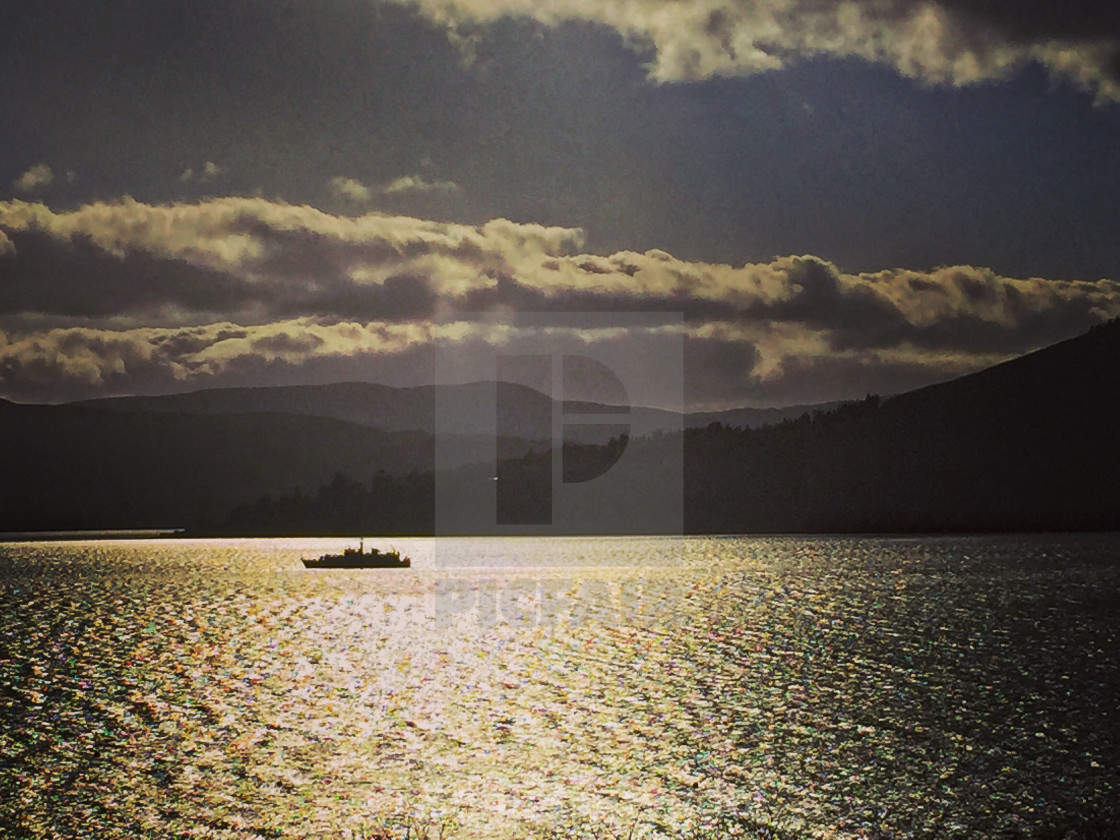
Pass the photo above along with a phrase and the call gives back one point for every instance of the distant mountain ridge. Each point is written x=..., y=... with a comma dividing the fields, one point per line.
x=185, y=459
x=74, y=467
x=399, y=409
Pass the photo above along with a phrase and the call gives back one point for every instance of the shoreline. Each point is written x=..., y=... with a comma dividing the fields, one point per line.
x=186, y=534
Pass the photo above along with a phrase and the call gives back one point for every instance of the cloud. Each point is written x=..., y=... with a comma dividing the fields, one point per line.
x=77, y=361
x=254, y=259
x=718, y=371
x=260, y=260
x=210, y=171
x=350, y=189
x=757, y=364
x=74, y=278
x=359, y=193
x=35, y=178
x=283, y=282
x=785, y=363
x=939, y=41
x=417, y=184
x=967, y=307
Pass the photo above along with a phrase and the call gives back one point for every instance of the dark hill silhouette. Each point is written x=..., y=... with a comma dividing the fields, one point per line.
x=70, y=467
x=1027, y=445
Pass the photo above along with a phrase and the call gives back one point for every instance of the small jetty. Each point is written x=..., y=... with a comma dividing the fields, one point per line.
x=359, y=558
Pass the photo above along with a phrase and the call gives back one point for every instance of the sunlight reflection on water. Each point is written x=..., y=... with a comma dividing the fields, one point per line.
x=926, y=687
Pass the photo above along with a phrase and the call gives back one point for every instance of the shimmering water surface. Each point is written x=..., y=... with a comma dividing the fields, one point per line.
x=826, y=687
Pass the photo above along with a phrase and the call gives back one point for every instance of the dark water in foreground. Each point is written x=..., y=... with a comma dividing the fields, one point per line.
x=832, y=687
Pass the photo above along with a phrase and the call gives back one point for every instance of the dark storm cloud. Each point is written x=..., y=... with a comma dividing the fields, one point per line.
x=820, y=299
x=75, y=277
x=187, y=342
x=717, y=371
x=285, y=342
x=400, y=297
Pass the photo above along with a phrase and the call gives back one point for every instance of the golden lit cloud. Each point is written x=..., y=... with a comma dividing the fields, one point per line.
x=36, y=177
x=350, y=189
x=952, y=41
x=85, y=356
x=209, y=172
x=122, y=291
x=276, y=260
x=417, y=184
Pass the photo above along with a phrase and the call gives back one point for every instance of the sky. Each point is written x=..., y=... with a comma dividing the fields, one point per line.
x=831, y=197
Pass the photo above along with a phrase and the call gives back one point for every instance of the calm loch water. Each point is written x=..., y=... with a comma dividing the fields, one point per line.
x=828, y=687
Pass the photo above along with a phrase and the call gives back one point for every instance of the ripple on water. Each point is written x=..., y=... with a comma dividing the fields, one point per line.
x=914, y=688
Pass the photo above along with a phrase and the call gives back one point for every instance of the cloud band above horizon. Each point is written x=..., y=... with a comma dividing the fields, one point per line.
x=126, y=297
